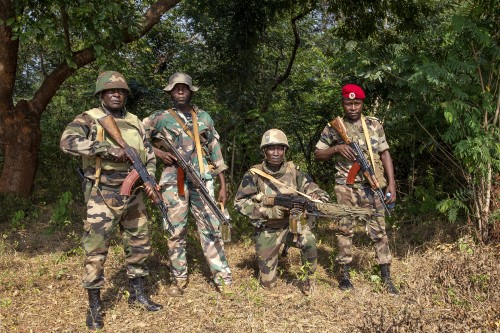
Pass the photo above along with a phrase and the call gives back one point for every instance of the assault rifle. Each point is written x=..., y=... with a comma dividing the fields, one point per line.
x=299, y=204
x=361, y=162
x=198, y=183
x=139, y=170
x=317, y=208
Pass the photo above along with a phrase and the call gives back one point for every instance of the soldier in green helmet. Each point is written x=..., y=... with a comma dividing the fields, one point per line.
x=272, y=223
x=191, y=131
x=104, y=169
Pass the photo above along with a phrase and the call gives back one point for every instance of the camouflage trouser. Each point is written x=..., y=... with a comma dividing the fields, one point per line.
x=375, y=229
x=267, y=245
x=106, y=209
x=208, y=230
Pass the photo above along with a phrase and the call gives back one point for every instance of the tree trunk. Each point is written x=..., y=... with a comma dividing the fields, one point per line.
x=20, y=133
x=20, y=137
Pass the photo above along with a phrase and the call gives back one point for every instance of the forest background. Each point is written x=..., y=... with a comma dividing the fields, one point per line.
x=431, y=71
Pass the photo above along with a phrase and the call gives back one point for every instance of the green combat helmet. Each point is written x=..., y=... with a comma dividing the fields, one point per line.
x=274, y=137
x=110, y=80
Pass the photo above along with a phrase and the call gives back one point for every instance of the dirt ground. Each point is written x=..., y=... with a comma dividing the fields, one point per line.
x=447, y=285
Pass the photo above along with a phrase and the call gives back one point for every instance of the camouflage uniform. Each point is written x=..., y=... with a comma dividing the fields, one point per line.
x=163, y=126
x=360, y=193
x=271, y=233
x=106, y=208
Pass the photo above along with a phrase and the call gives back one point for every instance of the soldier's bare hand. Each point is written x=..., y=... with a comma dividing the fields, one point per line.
x=167, y=157
x=117, y=154
x=150, y=191
x=222, y=195
x=347, y=152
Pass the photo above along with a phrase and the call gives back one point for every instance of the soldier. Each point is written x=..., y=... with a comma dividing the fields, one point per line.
x=359, y=193
x=272, y=223
x=191, y=130
x=105, y=167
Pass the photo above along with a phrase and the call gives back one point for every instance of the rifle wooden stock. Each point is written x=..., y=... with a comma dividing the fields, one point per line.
x=364, y=165
x=139, y=170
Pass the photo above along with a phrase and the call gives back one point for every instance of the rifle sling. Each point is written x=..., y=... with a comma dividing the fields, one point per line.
x=196, y=138
x=98, y=159
x=197, y=142
x=274, y=180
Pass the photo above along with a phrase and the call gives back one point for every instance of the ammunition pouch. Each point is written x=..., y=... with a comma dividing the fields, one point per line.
x=297, y=221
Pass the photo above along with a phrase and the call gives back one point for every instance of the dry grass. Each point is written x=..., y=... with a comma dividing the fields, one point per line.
x=447, y=285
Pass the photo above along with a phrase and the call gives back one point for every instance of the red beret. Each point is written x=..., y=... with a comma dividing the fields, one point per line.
x=352, y=91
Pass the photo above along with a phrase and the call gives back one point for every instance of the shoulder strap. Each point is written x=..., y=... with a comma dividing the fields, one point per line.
x=197, y=142
x=367, y=138
x=181, y=123
x=195, y=137
x=96, y=113
x=262, y=173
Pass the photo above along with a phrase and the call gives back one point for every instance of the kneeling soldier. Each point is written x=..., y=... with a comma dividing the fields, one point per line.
x=276, y=225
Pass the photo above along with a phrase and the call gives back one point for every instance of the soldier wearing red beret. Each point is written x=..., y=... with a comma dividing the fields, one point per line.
x=352, y=188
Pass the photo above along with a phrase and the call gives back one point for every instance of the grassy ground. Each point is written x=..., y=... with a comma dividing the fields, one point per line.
x=447, y=283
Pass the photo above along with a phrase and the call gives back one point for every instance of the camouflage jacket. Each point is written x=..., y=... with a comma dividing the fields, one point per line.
x=252, y=185
x=161, y=125
x=80, y=139
x=329, y=137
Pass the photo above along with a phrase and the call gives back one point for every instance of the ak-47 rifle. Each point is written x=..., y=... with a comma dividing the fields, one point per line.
x=197, y=182
x=361, y=161
x=298, y=205
x=139, y=170
x=319, y=209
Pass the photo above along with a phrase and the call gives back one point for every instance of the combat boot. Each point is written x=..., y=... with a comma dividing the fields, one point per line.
x=137, y=295
x=176, y=288
x=385, y=272
x=308, y=286
x=94, y=319
x=345, y=278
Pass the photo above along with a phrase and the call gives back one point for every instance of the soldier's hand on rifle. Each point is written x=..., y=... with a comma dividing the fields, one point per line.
x=117, y=154
x=346, y=151
x=151, y=191
x=222, y=195
x=167, y=157
x=275, y=212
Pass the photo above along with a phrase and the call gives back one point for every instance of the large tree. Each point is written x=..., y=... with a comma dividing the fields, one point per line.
x=66, y=35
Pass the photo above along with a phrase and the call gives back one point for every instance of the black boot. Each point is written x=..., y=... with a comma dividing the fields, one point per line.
x=345, y=278
x=94, y=319
x=385, y=272
x=137, y=294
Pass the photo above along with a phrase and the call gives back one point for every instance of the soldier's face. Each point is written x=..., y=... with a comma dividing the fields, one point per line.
x=181, y=95
x=114, y=99
x=275, y=155
x=352, y=108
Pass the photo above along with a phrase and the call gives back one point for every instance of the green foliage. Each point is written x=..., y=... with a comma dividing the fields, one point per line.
x=17, y=211
x=452, y=206
x=61, y=213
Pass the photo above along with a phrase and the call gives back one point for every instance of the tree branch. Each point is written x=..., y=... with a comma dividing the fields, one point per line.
x=279, y=80
x=53, y=81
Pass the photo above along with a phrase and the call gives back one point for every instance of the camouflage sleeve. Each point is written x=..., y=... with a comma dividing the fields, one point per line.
x=307, y=186
x=382, y=145
x=77, y=139
x=150, y=154
x=245, y=201
x=327, y=138
x=214, y=148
